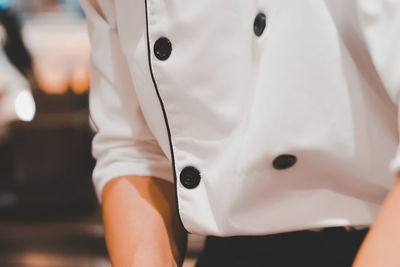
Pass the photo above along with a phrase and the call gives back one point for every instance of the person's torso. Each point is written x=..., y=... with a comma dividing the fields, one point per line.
x=288, y=126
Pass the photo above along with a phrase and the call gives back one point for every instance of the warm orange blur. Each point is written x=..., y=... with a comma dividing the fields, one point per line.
x=61, y=55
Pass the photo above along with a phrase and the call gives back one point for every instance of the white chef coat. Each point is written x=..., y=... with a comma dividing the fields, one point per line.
x=268, y=116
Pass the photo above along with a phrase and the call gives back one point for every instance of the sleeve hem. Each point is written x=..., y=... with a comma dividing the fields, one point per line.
x=118, y=169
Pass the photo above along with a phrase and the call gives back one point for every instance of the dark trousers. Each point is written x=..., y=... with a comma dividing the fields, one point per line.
x=332, y=247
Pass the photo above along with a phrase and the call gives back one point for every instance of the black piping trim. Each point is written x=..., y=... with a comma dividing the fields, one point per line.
x=165, y=117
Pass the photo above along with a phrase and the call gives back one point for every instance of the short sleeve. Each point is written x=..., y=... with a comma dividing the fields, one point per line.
x=380, y=23
x=123, y=143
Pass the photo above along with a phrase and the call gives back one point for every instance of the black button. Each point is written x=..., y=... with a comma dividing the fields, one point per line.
x=284, y=162
x=259, y=23
x=190, y=177
x=162, y=48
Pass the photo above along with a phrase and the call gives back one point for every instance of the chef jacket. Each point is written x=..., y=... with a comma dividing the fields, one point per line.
x=268, y=116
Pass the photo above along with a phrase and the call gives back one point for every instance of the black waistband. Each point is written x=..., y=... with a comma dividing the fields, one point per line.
x=328, y=231
x=332, y=246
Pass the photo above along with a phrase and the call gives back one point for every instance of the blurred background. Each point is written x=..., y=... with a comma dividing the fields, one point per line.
x=49, y=215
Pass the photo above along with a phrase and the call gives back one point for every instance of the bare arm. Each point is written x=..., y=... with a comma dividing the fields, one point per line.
x=381, y=246
x=141, y=223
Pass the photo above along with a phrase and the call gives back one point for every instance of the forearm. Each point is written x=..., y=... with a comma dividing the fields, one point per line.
x=141, y=223
x=381, y=246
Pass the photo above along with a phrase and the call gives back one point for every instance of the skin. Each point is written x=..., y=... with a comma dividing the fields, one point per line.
x=381, y=246
x=141, y=223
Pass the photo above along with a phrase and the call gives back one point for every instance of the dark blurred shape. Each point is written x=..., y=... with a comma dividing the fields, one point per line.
x=51, y=166
x=49, y=214
x=64, y=241
x=14, y=46
x=46, y=164
x=5, y=161
x=60, y=103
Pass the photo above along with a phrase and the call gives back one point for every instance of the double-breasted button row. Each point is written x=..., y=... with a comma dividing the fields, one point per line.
x=190, y=176
x=162, y=47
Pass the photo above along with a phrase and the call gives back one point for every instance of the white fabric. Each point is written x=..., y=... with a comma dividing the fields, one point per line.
x=322, y=83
